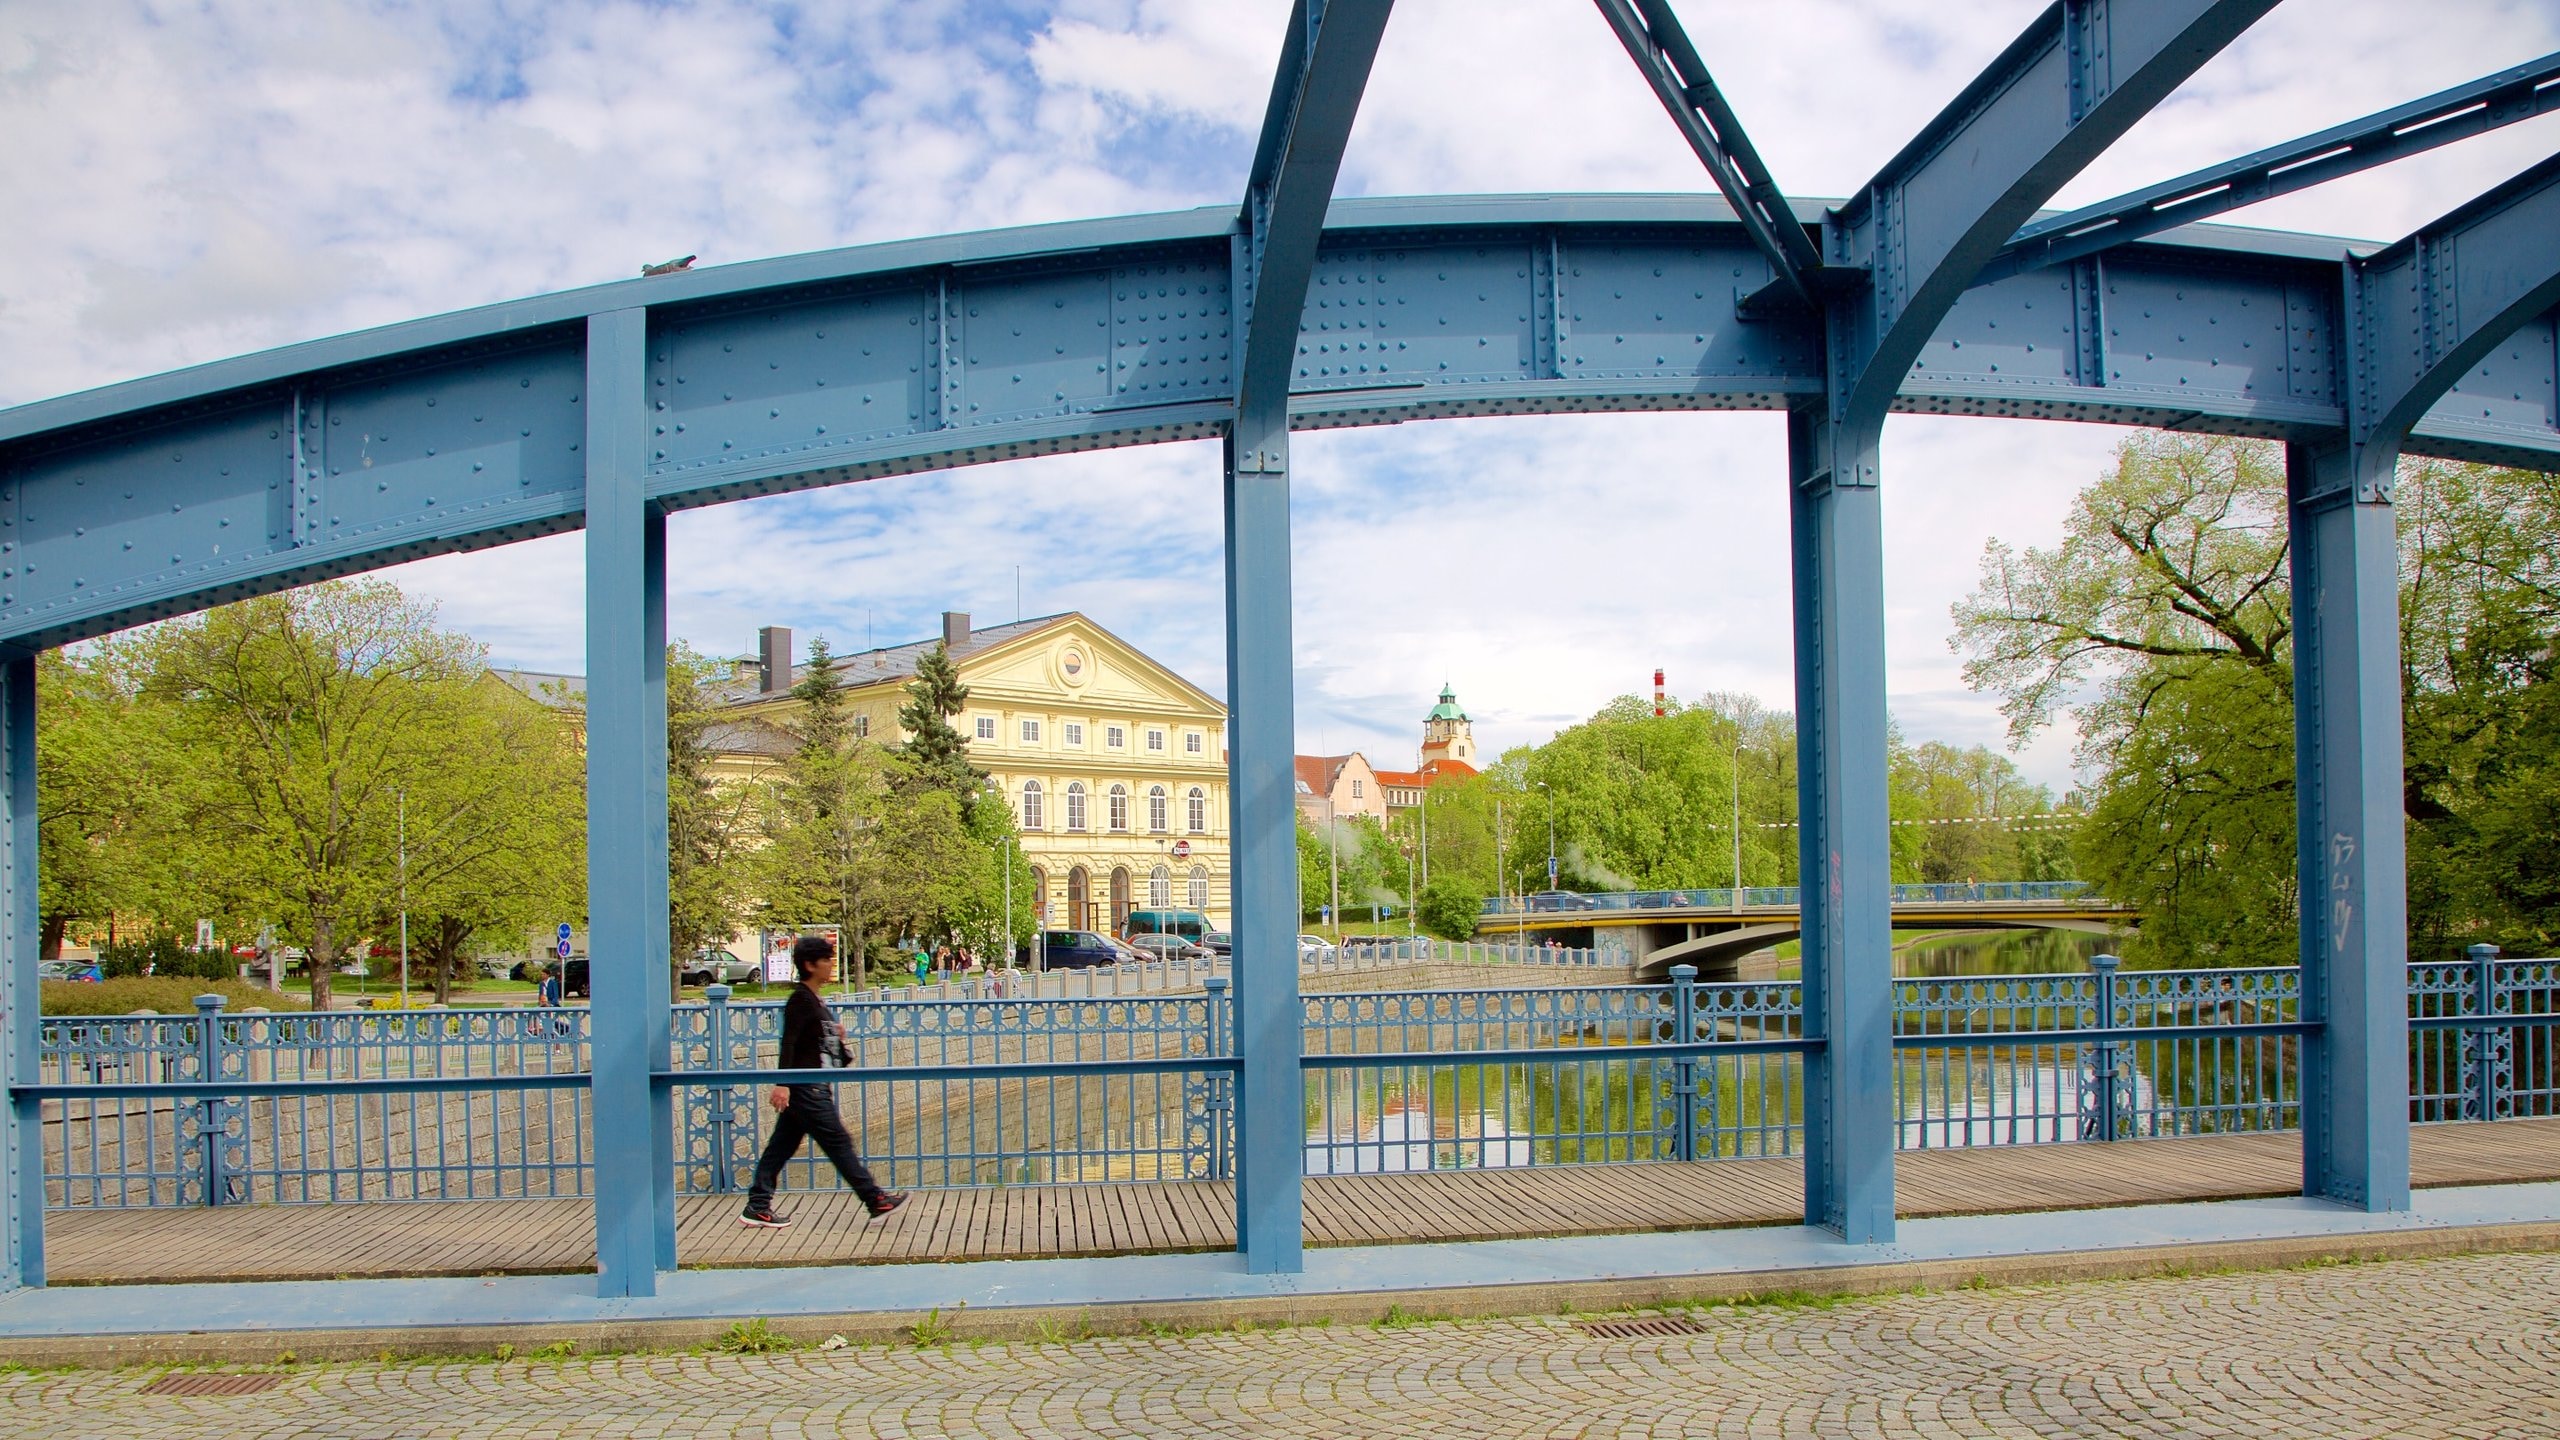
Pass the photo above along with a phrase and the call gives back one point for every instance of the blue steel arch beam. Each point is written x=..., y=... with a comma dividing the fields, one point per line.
x=462, y=431
x=2079, y=77
x=2520, y=92
x=1315, y=96
x=1651, y=32
x=2425, y=312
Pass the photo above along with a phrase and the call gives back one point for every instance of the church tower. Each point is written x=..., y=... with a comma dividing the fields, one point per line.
x=1446, y=735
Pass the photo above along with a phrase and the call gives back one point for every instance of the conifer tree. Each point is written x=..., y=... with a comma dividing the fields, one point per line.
x=936, y=754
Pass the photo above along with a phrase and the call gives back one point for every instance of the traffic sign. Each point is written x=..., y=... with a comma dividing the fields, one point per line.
x=1181, y=849
x=562, y=934
x=562, y=947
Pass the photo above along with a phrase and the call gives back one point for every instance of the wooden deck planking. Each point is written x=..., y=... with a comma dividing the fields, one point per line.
x=1126, y=1217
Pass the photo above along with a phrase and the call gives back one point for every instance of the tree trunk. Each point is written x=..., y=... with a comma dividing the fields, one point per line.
x=323, y=961
x=51, y=946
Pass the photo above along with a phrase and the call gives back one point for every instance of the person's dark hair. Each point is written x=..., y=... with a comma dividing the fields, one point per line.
x=808, y=950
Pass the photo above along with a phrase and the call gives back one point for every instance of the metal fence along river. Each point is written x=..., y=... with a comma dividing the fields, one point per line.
x=969, y=1085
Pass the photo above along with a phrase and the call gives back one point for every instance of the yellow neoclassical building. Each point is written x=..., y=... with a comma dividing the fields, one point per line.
x=1116, y=767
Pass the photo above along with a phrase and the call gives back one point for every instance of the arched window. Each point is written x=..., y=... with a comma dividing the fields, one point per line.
x=1119, y=807
x=1032, y=818
x=1039, y=896
x=1079, y=897
x=1198, y=805
x=1199, y=887
x=1156, y=809
x=1075, y=805
x=1160, y=889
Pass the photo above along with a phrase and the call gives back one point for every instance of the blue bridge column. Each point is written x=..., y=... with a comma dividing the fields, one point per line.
x=627, y=818
x=1846, y=860
x=21, y=1127
x=1262, y=781
x=2351, y=844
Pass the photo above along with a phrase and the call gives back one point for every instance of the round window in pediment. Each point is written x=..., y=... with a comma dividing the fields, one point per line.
x=1073, y=664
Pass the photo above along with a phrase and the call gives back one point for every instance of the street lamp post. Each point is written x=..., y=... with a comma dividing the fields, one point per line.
x=1551, y=834
x=1333, y=838
x=1737, y=817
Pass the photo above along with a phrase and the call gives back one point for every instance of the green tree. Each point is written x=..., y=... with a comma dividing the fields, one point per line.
x=710, y=821
x=315, y=708
x=934, y=752
x=2166, y=606
x=496, y=845
x=1450, y=909
x=109, y=775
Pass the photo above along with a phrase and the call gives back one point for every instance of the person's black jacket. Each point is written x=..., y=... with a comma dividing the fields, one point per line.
x=811, y=1037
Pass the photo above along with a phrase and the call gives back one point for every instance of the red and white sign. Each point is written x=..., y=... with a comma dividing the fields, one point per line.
x=1181, y=849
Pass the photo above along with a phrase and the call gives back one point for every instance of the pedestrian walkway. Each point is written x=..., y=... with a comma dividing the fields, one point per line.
x=1173, y=1217
x=2437, y=1348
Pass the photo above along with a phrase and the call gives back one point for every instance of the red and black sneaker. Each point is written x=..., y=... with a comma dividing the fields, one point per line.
x=755, y=1218
x=888, y=1200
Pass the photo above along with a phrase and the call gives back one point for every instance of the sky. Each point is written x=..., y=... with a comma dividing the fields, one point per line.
x=189, y=181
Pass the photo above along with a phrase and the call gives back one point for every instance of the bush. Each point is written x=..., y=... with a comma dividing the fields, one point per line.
x=168, y=994
x=163, y=954
x=1450, y=909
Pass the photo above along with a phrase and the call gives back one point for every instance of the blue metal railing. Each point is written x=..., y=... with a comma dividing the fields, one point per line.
x=1557, y=902
x=219, y=1108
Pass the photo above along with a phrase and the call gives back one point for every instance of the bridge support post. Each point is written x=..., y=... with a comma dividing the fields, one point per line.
x=1846, y=861
x=1262, y=779
x=627, y=969
x=2351, y=844
x=21, y=1123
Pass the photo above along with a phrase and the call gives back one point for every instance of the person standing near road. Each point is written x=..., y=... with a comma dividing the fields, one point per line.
x=546, y=988
x=812, y=1039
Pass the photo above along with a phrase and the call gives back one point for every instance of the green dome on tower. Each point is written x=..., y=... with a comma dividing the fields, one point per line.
x=1448, y=708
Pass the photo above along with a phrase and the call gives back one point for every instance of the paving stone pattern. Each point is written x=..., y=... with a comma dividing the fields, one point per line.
x=2443, y=1348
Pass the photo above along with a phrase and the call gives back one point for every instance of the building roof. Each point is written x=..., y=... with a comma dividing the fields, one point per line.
x=1316, y=773
x=546, y=686
x=1431, y=773
x=1448, y=708
x=897, y=663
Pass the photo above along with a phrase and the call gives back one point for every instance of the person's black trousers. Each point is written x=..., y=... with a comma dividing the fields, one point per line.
x=811, y=1113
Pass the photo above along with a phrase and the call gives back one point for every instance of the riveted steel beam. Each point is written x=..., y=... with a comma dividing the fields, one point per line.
x=22, y=1121
x=1652, y=35
x=2423, y=314
x=2518, y=93
x=1314, y=97
x=2078, y=78
x=169, y=494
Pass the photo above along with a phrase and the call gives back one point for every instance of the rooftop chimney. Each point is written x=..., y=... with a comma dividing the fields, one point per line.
x=773, y=643
x=955, y=628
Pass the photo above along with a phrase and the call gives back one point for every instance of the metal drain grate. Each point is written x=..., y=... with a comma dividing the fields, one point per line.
x=1639, y=1329
x=203, y=1384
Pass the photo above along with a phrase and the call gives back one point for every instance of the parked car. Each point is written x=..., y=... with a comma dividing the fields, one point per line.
x=85, y=972
x=715, y=966
x=573, y=978
x=1079, y=950
x=1314, y=948
x=1218, y=942
x=1167, y=947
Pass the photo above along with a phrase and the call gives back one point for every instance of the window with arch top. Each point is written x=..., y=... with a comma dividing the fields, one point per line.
x=1156, y=821
x=1075, y=805
x=1197, y=804
x=1031, y=816
x=1199, y=887
x=1119, y=807
x=1160, y=889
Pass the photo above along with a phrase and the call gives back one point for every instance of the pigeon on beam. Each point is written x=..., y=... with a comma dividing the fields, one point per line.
x=669, y=267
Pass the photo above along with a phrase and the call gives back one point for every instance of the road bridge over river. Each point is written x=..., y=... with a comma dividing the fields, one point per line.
x=1714, y=929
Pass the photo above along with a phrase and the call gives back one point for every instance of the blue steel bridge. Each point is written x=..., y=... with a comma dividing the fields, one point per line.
x=1941, y=286
x=1713, y=929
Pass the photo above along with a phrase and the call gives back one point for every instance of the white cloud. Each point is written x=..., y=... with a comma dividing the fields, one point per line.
x=193, y=182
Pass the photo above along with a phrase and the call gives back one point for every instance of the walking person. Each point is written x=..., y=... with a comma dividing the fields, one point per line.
x=812, y=1039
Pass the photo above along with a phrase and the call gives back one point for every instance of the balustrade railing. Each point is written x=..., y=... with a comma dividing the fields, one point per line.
x=977, y=1083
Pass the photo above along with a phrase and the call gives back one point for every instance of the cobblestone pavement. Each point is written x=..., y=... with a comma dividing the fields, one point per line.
x=2461, y=1347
